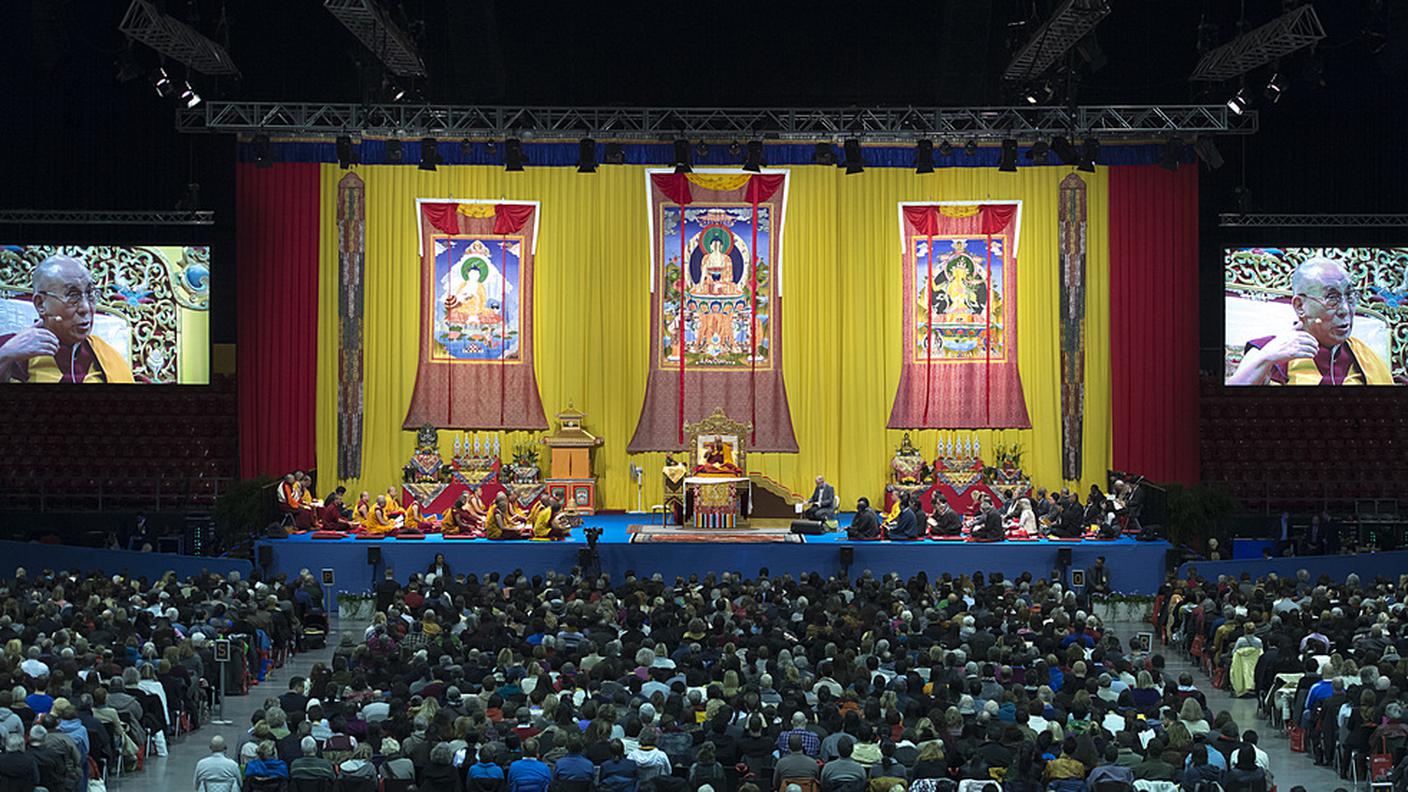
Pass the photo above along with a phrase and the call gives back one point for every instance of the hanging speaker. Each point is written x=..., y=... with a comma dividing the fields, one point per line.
x=373, y=555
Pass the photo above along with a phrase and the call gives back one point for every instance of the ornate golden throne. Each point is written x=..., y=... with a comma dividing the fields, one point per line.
x=718, y=486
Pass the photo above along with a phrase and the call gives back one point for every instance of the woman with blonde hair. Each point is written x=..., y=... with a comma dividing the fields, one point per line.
x=1191, y=716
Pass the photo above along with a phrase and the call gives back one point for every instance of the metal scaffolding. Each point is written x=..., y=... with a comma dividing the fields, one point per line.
x=369, y=22
x=175, y=39
x=106, y=217
x=885, y=124
x=1297, y=28
x=1070, y=22
x=1267, y=219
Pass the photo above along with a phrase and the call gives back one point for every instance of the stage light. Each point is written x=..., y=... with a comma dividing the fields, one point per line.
x=395, y=91
x=1275, y=87
x=393, y=150
x=161, y=81
x=1063, y=148
x=945, y=148
x=1207, y=152
x=1039, y=93
x=466, y=148
x=1039, y=152
x=614, y=154
x=756, y=160
x=491, y=147
x=586, y=156
x=970, y=149
x=681, y=162
x=514, y=159
x=1007, y=161
x=855, y=159
x=189, y=97
x=1089, y=153
x=346, y=155
x=735, y=148
x=263, y=151
x=924, y=157
x=1239, y=102
x=1172, y=155
x=824, y=154
x=429, y=154
x=701, y=149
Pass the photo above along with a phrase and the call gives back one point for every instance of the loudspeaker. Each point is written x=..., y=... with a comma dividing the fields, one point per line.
x=809, y=527
x=848, y=556
x=1063, y=558
x=373, y=555
x=266, y=556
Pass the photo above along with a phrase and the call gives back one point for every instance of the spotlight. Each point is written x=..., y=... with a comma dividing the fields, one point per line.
x=924, y=157
x=1039, y=93
x=429, y=154
x=514, y=160
x=189, y=97
x=824, y=154
x=586, y=156
x=1039, y=152
x=466, y=148
x=614, y=154
x=395, y=91
x=681, y=162
x=346, y=155
x=1275, y=87
x=491, y=147
x=970, y=149
x=1063, y=148
x=701, y=149
x=755, y=160
x=393, y=150
x=1207, y=152
x=1089, y=154
x=945, y=148
x=1007, y=161
x=855, y=159
x=263, y=151
x=1239, y=102
x=1172, y=154
x=735, y=148
x=161, y=81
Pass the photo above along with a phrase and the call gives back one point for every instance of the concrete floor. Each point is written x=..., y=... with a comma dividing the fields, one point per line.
x=176, y=771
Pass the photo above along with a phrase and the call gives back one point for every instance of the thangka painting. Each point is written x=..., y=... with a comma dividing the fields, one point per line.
x=1353, y=299
x=959, y=359
x=716, y=296
x=475, y=341
x=1071, y=221
x=351, y=264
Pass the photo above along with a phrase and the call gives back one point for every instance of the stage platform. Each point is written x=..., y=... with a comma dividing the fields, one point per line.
x=1135, y=567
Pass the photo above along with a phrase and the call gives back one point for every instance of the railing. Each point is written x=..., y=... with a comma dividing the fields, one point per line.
x=153, y=495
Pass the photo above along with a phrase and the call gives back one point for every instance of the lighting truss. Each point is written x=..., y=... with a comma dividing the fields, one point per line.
x=1068, y=24
x=1266, y=220
x=175, y=39
x=874, y=125
x=1293, y=30
x=106, y=217
x=369, y=22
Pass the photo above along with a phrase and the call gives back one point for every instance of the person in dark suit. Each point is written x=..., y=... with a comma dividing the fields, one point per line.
x=945, y=521
x=866, y=524
x=906, y=525
x=990, y=529
x=822, y=504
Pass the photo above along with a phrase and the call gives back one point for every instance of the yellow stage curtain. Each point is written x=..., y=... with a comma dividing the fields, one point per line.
x=841, y=323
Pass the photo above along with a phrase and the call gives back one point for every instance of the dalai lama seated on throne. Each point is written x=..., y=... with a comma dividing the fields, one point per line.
x=716, y=457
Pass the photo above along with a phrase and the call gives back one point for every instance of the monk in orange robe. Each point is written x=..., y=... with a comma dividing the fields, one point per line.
x=460, y=519
x=293, y=501
x=60, y=346
x=501, y=523
x=330, y=517
x=416, y=520
x=379, y=521
x=363, y=510
x=393, y=504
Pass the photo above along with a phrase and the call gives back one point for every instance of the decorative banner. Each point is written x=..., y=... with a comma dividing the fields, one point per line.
x=716, y=307
x=351, y=248
x=476, y=318
x=959, y=355
x=1072, y=225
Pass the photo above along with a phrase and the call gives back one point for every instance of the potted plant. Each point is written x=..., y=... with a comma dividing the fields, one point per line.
x=239, y=512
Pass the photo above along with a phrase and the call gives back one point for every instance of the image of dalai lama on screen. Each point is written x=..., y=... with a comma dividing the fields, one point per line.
x=60, y=346
x=1317, y=348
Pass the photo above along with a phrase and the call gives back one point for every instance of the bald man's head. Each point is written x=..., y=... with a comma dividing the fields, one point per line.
x=63, y=298
x=1323, y=295
x=217, y=744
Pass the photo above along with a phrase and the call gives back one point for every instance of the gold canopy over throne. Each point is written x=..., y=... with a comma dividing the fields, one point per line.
x=718, y=464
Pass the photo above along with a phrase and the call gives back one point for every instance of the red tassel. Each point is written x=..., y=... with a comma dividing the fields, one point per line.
x=929, y=331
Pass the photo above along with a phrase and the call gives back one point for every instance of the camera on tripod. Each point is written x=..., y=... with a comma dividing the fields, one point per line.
x=593, y=533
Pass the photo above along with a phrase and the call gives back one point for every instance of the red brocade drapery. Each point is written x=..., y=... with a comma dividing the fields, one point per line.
x=467, y=377
x=276, y=238
x=1153, y=321
x=964, y=375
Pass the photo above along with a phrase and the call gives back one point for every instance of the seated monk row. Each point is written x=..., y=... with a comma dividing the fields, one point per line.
x=502, y=520
x=295, y=498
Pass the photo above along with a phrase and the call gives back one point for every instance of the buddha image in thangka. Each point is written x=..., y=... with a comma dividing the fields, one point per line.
x=477, y=300
x=718, y=302
x=962, y=293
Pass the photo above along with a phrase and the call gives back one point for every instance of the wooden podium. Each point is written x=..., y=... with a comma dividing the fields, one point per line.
x=570, y=476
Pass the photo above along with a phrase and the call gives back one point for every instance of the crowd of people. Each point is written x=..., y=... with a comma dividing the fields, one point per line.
x=548, y=518
x=1325, y=657
x=727, y=683
x=97, y=670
